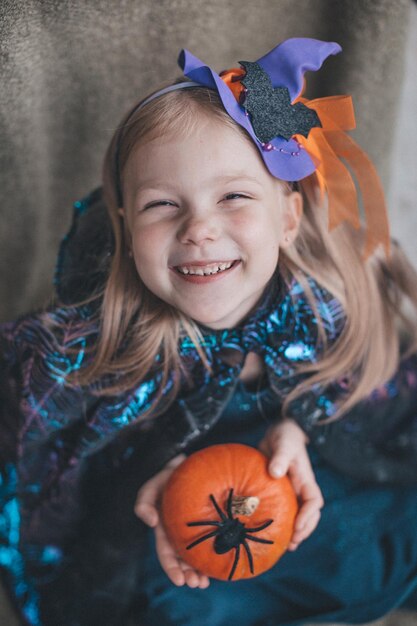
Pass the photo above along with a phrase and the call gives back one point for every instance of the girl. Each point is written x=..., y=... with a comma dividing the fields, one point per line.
x=217, y=308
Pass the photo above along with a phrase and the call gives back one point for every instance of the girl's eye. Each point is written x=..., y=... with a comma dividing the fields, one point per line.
x=158, y=203
x=235, y=196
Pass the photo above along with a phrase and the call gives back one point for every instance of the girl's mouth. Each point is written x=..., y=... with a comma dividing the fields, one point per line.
x=199, y=273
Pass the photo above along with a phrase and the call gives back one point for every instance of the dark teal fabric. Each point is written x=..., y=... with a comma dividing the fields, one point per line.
x=359, y=563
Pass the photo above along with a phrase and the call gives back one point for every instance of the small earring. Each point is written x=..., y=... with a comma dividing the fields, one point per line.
x=130, y=254
x=286, y=239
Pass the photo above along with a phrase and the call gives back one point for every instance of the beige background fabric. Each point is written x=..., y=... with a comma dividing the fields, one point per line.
x=69, y=70
x=402, y=197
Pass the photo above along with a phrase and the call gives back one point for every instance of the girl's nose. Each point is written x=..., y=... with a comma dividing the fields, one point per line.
x=197, y=229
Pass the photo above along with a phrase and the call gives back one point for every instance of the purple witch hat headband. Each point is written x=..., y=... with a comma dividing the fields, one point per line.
x=295, y=136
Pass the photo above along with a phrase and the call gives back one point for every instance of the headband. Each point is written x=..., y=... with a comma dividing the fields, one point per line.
x=295, y=136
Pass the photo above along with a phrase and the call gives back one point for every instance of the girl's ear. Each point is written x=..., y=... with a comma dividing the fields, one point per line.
x=292, y=213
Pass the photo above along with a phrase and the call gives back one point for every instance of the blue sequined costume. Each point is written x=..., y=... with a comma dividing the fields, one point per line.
x=73, y=553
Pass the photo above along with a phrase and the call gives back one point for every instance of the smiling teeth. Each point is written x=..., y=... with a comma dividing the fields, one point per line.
x=205, y=271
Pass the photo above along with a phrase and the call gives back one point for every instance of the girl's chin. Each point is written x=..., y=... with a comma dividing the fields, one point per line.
x=220, y=321
x=218, y=315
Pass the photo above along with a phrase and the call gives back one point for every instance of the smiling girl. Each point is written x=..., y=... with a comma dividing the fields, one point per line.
x=219, y=308
x=206, y=220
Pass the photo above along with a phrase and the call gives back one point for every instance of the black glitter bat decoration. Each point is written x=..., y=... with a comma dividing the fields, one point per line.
x=270, y=108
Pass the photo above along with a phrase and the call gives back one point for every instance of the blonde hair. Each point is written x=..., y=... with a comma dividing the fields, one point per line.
x=137, y=329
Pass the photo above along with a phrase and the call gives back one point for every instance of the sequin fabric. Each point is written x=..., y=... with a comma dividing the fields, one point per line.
x=60, y=426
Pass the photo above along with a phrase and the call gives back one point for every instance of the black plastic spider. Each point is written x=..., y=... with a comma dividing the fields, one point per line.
x=230, y=533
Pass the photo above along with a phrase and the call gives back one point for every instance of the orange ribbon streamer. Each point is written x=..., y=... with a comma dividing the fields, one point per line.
x=326, y=146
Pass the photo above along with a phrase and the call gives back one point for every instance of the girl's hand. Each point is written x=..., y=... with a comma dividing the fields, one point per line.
x=286, y=443
x=146, y=508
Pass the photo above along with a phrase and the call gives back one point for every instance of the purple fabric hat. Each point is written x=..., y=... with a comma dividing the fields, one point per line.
x=285, y=66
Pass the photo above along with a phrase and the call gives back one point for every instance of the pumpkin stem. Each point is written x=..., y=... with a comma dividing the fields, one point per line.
x=244, y=505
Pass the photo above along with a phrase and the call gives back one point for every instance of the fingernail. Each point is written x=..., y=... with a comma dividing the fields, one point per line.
x=277, y=471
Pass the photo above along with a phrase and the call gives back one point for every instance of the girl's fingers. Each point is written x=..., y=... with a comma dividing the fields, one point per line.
x=286, y=446
x=309, y=514
x=303, y=517
x=176, y=569
x=167, y=558
x=193, y=578
x=302, y=534
x=175, y=574
x=311, y=497
x=204, y=581
x=311, y=501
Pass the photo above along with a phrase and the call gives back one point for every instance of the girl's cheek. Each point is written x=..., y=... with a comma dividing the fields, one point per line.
x=145, y=232
x=244, y=218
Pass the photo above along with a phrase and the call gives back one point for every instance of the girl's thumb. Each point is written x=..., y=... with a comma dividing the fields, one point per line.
x=278, y=465
x=147, y=513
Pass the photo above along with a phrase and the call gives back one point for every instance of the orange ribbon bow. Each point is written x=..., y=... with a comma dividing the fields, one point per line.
x=327, y=146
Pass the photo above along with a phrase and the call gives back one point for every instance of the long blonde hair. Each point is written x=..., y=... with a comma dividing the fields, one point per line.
x=136, y=327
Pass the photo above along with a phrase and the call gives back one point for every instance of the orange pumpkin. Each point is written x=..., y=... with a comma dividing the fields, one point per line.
x=225, y=515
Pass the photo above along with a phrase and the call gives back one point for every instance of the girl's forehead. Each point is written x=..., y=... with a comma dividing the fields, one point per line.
x=196, y=122
x=213, y=156
x=204, y=137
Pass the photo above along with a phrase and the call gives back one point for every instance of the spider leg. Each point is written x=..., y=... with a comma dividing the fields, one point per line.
x=229, y=505
x=258, y=540
x=203, y=523
x=218, y=509
x=264, y=525
x=249, y=553
x=235, y=562
x=203, y=538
